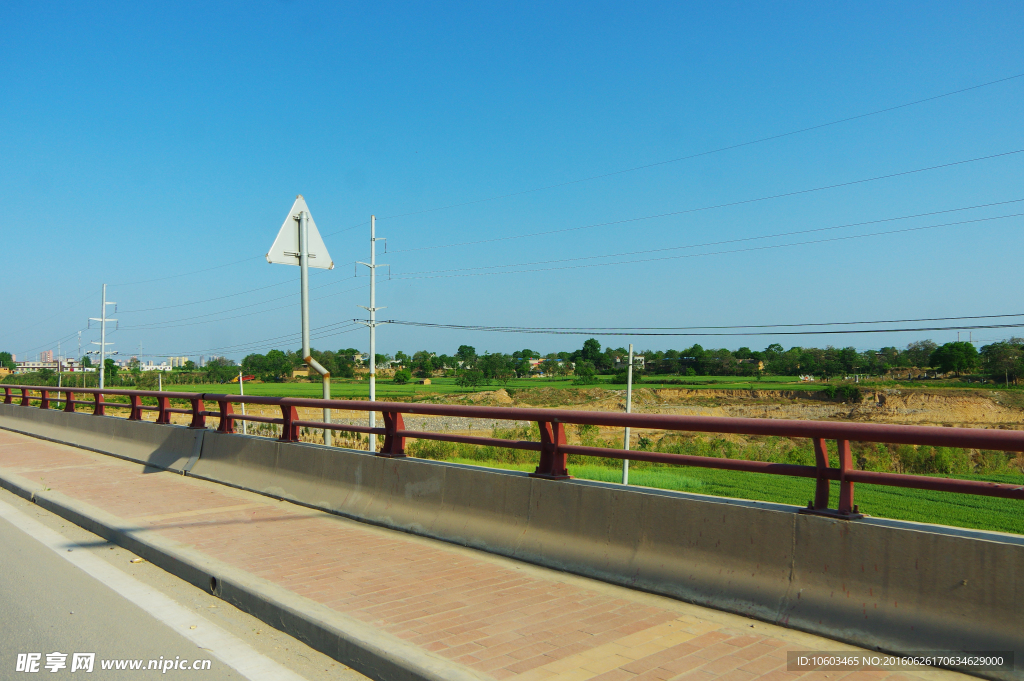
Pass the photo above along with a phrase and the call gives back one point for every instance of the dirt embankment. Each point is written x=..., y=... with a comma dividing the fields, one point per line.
x=967, y=408
x=950, y=408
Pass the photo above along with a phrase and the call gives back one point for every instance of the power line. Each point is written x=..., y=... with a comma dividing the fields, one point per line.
x=173, y=323
x=229, y=295
x=69, y=307
x=595, y=329
x=322, y=332
x=208, y=300
x=50, y=344
x=473, y=271
x=185, y=274
x=633, y=332
x=712, y=151
x=713, y=207
x=756, y=238
x=623, y=171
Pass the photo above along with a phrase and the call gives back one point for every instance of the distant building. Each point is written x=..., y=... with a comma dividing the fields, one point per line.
x=149, y=366
x=623, y=362
x=26, y=367
x=177, y=361
x=46, y=356
x=72, y=365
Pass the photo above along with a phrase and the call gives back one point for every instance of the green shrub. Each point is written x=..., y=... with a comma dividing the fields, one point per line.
x=849, y=393
x=402, y=376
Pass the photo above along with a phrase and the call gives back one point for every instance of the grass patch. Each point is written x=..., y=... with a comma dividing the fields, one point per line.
x=941, y=508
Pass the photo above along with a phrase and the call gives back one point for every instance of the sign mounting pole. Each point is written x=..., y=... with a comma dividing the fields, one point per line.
x=297, y=243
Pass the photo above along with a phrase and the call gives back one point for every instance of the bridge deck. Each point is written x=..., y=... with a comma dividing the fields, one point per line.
x=497, y=617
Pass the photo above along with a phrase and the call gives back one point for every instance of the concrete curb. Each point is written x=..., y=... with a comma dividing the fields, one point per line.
x=369, y=651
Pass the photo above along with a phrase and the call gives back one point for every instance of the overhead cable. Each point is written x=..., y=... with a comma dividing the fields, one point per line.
x=174, y=323
x=322, y=332
x=711, y=151
x=631, y=169
x=635, y=332
x=715, y=206
x=474, y=271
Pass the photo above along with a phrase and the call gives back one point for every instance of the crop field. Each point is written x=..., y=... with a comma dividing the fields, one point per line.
x=941, y=508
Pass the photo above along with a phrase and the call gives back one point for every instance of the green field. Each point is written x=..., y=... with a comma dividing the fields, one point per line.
x=359, y=389
x=941, y=508
x=354, y=389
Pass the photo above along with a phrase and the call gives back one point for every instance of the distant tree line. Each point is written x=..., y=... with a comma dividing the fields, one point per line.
x=1002, y=361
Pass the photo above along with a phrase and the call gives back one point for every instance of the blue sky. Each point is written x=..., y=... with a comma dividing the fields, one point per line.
x=144, y=142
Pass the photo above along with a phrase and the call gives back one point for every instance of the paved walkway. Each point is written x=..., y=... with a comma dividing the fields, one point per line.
x=498, y=617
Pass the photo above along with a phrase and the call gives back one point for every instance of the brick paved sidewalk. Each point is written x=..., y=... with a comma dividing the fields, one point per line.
x=497, y=617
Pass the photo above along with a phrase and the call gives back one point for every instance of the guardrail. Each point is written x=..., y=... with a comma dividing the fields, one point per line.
x=554, y=450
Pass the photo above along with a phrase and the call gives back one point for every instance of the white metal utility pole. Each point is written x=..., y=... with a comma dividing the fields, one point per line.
x=245, y=430
x=629, y=409
x=373, y=324
x=60, y=364
x=79, y=358
x=103, y=319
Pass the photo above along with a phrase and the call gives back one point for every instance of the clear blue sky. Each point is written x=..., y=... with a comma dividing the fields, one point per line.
x=142, y=142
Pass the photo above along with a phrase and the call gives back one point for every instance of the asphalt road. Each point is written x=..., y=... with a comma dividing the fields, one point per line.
x=119, y=610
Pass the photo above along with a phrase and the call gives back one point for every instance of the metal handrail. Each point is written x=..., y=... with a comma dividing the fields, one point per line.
x=554, y=449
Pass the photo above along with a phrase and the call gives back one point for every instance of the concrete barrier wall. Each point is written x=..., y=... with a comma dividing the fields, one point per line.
x=168, y=447
x=887, y=585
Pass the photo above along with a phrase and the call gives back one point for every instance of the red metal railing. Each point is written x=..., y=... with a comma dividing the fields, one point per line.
x=554, y=450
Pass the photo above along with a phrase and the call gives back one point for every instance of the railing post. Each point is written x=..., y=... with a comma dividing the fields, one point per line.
x=162, y=416
x=227, y=421
x=553, y=460
x=44, y=401
x=24, y=397
x=198, y=419
x=97, y=407
x=846, y=506
x=821, y=485
x=289, y=431
x=69, y=401
x=7, y=394
x=394, y=446
x=136, y=412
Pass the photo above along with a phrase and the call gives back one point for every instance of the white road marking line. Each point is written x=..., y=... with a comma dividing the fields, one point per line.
x=228, y=648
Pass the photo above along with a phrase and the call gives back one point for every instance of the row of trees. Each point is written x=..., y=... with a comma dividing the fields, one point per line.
x=1001, y=361
x=277, y=365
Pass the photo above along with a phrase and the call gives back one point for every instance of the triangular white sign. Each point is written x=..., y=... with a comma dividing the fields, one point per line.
x=285, y=250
